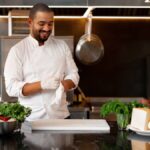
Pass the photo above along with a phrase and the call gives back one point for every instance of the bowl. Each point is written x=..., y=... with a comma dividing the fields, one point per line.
x=9, y=127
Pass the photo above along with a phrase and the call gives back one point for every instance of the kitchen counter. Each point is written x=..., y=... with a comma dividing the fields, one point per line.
x=47, y=140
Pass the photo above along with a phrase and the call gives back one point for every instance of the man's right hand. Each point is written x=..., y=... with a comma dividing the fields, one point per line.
x=50, y=83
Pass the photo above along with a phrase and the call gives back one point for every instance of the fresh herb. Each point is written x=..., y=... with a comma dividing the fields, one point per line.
x=118, y=107
x=14, y=110
x=122, y=110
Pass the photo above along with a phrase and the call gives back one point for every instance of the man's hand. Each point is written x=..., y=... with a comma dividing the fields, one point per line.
x=50, y=83
x=68, y=84
x=45, y=84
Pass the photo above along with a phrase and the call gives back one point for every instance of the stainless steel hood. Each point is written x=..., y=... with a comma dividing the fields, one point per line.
x=49, y=2
x=97, y=3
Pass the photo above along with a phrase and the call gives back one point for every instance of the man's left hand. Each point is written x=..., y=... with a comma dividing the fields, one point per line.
x=68, y=84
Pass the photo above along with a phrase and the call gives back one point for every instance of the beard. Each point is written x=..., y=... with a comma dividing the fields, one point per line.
x=41, y=36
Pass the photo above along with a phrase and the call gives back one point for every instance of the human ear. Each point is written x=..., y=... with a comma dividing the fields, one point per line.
x=29, y=21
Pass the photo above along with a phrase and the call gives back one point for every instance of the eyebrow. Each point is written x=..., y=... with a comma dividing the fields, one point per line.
x=46, y=21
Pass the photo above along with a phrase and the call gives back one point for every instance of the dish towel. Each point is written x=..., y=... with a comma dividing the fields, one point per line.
x=59, y=94
x=56, y=103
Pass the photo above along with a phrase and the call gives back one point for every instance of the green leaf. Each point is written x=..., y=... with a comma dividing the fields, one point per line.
x=14, y=110
x=118, y=107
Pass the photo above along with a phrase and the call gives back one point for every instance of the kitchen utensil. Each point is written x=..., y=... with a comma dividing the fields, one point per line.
x=89, y=49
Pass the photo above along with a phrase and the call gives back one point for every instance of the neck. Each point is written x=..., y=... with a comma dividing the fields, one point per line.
x=41, y=43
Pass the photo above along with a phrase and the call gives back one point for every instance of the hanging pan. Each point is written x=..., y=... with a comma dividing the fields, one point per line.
x=90, y=49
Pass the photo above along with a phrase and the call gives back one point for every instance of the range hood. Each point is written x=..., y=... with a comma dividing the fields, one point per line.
x=77, y=3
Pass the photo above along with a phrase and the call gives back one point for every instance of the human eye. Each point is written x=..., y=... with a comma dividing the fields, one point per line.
x=50, y=24
x=41, y=23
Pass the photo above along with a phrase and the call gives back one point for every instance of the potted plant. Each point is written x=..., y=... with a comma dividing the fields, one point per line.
x=122, y=110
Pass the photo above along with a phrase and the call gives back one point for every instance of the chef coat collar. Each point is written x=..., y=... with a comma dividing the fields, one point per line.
x=35, y=42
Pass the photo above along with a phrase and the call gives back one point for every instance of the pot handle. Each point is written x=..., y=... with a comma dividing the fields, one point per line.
x=89, y=25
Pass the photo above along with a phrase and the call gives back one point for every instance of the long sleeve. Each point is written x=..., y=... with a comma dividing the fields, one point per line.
x=13, y=73
x=71, y=68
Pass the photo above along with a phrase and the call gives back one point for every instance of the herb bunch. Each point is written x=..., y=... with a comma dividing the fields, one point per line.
x=14, y=110
x=118, y=107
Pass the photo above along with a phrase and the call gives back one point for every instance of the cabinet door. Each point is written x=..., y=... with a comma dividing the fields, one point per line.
x=5, y=44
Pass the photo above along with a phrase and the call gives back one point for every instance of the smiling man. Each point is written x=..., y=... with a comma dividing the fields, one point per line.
x=39, y=70
x=41, y=23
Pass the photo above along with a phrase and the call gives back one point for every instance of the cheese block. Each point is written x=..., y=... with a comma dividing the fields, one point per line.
x=140, y=118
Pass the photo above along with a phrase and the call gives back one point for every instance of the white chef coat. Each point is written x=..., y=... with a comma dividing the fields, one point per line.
x=28, y=62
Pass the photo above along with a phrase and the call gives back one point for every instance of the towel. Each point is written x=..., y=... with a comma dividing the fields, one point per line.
x=59, y=94
x=51, y=108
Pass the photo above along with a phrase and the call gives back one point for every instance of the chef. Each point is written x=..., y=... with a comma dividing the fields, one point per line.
x=39, y=70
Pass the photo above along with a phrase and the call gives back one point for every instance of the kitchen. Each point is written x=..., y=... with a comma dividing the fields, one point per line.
x=124, y=69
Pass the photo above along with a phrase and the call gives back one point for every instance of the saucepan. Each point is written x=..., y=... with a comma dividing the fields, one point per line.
x=89, y=49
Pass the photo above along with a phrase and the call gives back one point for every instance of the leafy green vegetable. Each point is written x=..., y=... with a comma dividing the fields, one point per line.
x=118, y=107
x=14, y=110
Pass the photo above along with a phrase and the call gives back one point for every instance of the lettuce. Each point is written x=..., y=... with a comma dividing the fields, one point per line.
x=14, y=110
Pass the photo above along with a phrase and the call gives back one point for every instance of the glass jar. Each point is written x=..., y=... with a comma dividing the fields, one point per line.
x=122, y=121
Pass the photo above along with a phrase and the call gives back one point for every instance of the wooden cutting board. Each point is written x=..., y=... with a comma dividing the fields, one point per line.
x=71, y=124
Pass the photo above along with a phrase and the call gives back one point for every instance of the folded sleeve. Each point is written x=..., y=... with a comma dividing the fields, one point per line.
x=13, y=73
x=71, y=68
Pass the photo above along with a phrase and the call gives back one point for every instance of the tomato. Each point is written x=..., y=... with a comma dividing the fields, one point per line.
x=4, y=118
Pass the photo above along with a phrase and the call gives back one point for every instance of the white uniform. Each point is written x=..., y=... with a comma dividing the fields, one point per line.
x=27, y=62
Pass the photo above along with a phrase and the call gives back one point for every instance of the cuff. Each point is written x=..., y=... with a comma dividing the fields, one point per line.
x=20, y=89
x=74, y=81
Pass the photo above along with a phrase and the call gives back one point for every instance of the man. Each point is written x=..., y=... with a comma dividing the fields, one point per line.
x=39, y=70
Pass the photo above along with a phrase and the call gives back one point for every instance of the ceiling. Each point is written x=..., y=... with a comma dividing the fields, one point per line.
x=96, y=12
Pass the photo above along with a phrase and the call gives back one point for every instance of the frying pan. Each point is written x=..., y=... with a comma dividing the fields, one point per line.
x=89, y=49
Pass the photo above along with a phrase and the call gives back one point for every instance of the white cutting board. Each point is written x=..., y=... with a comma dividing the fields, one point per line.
x=71, y=124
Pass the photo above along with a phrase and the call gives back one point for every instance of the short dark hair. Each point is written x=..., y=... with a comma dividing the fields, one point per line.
x=39, y=7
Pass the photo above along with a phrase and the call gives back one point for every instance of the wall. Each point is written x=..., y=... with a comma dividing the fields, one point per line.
x=3, y=27
x=123, y=72
x=125, y=69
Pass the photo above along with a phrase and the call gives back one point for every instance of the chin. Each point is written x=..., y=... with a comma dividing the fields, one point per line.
x=44, y=39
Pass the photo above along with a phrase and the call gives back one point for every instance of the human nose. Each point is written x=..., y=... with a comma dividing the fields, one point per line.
x=47, y=27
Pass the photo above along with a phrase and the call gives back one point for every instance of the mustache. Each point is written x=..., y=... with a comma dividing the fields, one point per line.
x=45, y=31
